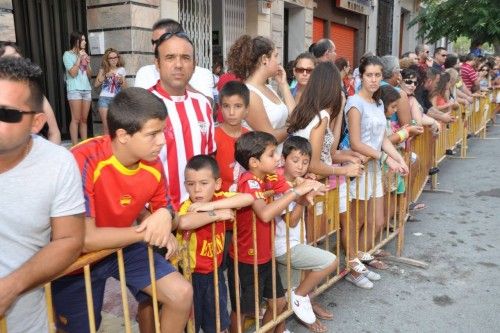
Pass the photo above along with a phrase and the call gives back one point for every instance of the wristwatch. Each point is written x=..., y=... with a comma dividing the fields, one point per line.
x=211, y=213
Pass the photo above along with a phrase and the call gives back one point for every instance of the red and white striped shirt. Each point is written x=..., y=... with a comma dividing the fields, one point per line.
x=189, y=131
x=469, y=75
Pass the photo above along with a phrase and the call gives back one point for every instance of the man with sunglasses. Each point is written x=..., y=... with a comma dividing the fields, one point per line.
x=41, y=201
x=147, y=76
x=440, y=55
x=424, y=59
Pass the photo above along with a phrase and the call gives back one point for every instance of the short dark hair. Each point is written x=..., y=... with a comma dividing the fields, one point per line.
x=388, y=95
x=320, y=47
x=167, y=35
x=439, y=49
x=233, y=88
x=451, y=60
x=410, y=72
x=169, y=25
x=131, y=108
x=406, y=55
x=252, y=144
x=4, y=45
x=199, y=162
x=23, y=70
x=470, y=56
x=341, y=63
x=295, y=142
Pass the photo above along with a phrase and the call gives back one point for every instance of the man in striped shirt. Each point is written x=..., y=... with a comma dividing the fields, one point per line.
x=189, y=129
x=469, y=74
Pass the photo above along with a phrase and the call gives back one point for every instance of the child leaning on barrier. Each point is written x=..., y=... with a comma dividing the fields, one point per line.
x=256, y=152
x=121, y=174
x=397, y=135
x=296, y=156
x=207, y=205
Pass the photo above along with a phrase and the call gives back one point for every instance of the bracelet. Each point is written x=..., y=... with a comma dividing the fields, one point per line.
x=403, y=134
x=383, y=157
x=297, y=194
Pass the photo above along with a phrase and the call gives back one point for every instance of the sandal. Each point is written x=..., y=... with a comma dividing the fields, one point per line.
x=316, y=327
x=378, y=264
x=321, y=312
x=414, y=207
x=381, y=253
x=357, y=266
x=365, y=256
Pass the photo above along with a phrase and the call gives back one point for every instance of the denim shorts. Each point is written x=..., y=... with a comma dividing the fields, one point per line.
x=103, y=102
x=79, y=94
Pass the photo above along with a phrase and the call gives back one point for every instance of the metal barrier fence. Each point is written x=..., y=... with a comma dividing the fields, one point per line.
x=322, y=222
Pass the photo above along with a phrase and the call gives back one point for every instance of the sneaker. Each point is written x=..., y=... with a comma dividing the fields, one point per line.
x=301, y=306
x=360, y=281
x=372, y=276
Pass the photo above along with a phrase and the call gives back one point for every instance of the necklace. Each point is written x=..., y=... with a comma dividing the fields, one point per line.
x=23, y=156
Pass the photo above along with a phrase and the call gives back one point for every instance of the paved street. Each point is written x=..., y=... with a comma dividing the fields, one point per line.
x=457, y=234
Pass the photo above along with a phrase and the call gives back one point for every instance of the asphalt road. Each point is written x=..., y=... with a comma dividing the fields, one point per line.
x=458, y=235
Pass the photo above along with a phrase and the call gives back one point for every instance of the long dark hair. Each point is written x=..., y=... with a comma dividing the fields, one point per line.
x=440, y=89
x=75, y=39
x=322, y=92
x=388, y=95
x=374, y=61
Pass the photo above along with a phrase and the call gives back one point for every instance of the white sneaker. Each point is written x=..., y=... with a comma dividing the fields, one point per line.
x=360, y=281
x=301, y=306
x=372, y=276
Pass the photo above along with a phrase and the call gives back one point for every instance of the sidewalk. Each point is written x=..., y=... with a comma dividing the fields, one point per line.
x=457, y=234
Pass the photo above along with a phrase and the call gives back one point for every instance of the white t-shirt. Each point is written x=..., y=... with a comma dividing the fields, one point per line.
x=111, y=86
x=147, y=76
x=373, y=121
x=47, y=183
x=294, y=233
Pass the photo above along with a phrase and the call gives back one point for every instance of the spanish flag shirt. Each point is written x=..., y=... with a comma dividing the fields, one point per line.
x=115, y=195
x=199, y=241
x=248, y=183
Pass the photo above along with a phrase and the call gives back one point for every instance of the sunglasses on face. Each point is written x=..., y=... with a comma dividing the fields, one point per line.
x=12, y=116
x=410, y=82
x=301, y=70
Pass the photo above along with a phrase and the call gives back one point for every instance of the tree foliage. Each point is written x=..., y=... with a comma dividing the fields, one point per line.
x=476, y=19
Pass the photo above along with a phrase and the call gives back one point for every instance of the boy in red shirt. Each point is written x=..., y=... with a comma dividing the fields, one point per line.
x=121, y=174
x=234, y=98
x=207, y=205
x=256, y=152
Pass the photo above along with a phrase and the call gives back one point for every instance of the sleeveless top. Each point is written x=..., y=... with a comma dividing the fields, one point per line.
x=326, y=155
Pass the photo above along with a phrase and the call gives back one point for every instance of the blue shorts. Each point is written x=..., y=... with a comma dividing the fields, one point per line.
x=103, y=102
x=69, y=291
x=79, y=94
x=204, y=302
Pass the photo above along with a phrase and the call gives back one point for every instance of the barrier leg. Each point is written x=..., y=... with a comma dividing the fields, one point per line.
x=3, y=325
x=50, y=308
x=154, y=295
x=123, y=287
x=216, y=279
x=88, y=294
x=237, y=277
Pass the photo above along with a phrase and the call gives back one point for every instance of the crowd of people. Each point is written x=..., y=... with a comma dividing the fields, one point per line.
x=167, y=174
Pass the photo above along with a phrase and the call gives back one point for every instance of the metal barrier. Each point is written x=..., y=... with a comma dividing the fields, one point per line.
x=321, y=220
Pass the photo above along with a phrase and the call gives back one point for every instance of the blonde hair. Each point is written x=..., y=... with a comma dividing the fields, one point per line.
x=105, y=62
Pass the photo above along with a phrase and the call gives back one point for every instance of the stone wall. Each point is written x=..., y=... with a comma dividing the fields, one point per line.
x=7, y=21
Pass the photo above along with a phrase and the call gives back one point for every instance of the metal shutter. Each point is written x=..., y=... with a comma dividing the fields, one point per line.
x=343, y=37
x=318, y=29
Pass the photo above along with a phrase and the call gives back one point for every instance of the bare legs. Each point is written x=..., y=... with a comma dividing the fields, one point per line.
x=79, y=112
x=103, y=112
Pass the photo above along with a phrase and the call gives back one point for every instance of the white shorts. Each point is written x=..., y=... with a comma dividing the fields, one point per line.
x=370, y=192
x=343, y=198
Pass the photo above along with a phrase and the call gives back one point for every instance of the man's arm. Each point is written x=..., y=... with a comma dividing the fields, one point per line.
x=62, y=251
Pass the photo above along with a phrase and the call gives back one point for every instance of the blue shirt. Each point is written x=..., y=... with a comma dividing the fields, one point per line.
x=81, y=80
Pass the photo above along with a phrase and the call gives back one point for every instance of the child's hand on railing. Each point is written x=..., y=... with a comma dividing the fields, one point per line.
x=354, y=169
x=415, y=130
x=157, y=228
x=196, y=207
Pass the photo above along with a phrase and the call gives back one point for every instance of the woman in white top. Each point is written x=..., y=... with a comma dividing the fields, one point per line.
x=255, y=61
x=367, y=123
x=111, y=79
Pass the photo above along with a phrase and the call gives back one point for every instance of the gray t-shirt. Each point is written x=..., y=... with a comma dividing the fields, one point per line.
x=373, y=120
x=47, y=183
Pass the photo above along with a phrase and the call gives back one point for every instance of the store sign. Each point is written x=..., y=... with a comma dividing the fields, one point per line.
x=358, y=6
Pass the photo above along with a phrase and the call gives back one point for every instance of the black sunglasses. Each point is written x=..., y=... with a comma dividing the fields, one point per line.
x=168, y=35
x=13, y=116
x=408, y=82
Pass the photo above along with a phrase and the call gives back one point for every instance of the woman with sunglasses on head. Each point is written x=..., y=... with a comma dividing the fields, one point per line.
x=78, y=72
x=111, y=79
x=255, y=61
x=302, y=68
x=408, y=84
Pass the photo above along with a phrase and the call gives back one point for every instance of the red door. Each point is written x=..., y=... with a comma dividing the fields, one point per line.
x=318, y=29
x=343, y=37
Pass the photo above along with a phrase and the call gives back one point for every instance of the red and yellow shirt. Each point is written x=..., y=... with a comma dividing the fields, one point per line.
x=200, y=245
x=115, y=195
x=248, y=183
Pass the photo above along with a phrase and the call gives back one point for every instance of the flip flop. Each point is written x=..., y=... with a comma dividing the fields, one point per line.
x=378, y=264
x=381, y=253
x=414, y=207
x=321, y=312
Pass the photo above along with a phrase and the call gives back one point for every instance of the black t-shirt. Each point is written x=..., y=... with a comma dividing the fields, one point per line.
x=422, y=97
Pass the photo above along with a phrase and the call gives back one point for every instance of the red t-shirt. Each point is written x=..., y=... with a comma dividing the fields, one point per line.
x=200, y=246
x=469, y=75
x=248, y=183
x=225, y=157
x=223, y=79
x=112, y=195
